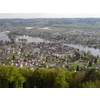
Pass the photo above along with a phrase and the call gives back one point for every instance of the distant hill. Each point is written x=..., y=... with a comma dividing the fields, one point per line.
x=49, y=22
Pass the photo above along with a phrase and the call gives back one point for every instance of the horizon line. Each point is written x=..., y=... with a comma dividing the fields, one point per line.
x=45, y=15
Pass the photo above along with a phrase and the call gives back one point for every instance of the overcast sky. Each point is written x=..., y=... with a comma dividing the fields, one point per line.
x=36, y=15
x=49, y=8
x=32, y=15
x=47, y=15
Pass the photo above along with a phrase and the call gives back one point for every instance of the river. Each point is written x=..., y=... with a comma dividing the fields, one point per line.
x=93, y=51
x=4, y=36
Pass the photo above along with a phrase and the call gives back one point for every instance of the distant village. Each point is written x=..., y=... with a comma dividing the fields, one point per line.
x=48, y=43
x=36, y=53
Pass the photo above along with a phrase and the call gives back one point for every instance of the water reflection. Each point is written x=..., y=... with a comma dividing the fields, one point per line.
x=4, y=36
x=93, y=51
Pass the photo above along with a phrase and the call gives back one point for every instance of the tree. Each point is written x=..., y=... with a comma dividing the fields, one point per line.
x=40, y=78
x=92, y=75
x=27, y=74
x=60, y=78
x=10, y=77
x=91, y=84
x=50, y=77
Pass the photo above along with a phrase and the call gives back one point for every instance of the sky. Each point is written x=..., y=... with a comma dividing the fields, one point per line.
x=35, y=15
x=49, y=8
x=46, y=15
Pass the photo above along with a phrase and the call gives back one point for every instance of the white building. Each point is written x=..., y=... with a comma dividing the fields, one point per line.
x=29, y=39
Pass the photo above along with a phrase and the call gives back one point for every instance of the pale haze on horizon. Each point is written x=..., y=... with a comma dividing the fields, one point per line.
x=46, y=15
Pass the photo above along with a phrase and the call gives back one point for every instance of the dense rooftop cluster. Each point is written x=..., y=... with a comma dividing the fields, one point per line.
x=45, y=54
x=34, y=54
